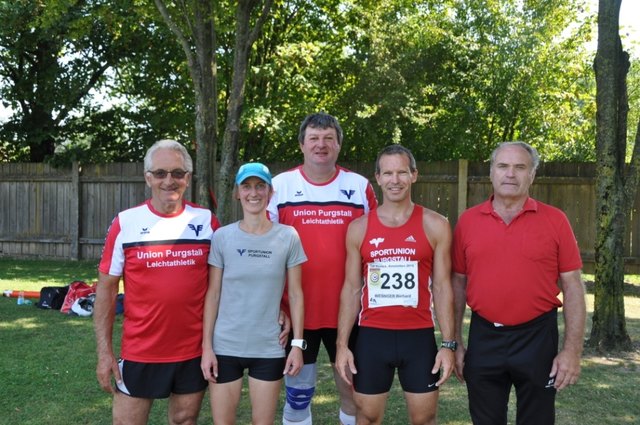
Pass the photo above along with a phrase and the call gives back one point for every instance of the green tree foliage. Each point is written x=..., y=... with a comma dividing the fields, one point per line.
x=152, y=90
x=197, y=30
x=54, y=55
x=449, y=79
x=299, y=66
x=402, y=58
x=453, y=79
x=633, y=93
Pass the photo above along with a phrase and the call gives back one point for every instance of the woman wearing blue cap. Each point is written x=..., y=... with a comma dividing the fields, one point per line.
x=249, y=262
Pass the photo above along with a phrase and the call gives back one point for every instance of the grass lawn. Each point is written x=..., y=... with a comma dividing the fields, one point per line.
x=47, y=361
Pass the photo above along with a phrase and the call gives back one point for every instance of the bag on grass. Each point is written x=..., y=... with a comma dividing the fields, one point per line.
x=77, y=289
x=52, y=297
x=120, y=304
x=83, y=306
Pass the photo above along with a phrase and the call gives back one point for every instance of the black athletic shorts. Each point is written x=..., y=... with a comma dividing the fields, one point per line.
x=379, y=352
x=159, y=380
x=231, y=368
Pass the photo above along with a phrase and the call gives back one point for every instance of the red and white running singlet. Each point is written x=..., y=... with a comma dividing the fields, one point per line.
x=396, y=268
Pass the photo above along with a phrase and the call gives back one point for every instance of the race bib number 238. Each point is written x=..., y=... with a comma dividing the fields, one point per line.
x=393, y=283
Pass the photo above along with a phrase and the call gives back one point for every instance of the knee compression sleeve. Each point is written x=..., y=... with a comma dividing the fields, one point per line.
x=299, y=391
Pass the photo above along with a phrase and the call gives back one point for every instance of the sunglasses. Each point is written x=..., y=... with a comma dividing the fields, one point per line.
x=177, y=174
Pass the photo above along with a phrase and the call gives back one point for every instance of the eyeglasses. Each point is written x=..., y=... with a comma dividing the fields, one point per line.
x=177, y=174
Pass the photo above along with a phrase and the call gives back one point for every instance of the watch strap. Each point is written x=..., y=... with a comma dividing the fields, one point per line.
x=451, y=345
x=300, y=343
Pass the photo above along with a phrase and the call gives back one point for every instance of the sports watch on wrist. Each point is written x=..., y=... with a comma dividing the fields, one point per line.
x=300, y=343
x=451, y=345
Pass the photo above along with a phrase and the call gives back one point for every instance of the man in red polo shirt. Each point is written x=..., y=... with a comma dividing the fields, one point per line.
x=511, y=258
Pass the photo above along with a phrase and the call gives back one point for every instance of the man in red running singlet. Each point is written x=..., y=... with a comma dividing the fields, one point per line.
x=398, y=265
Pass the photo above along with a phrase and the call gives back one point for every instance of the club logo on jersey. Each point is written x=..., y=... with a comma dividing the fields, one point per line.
x=376, y=241
x=145, y=231
x=410, y=239
x=241, y=251
x=348, y=193
x=374, y=276
x=196, y=228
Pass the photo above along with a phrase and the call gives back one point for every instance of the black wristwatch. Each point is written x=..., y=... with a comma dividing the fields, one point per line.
x=451, y=345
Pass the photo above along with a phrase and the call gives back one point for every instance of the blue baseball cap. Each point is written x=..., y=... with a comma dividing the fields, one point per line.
x=254, y=169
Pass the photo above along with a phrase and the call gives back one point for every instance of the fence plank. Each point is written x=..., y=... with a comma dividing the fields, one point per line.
x=75, y=211
x=65, y=212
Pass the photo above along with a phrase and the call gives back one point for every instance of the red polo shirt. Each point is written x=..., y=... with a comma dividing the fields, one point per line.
x=513, y=269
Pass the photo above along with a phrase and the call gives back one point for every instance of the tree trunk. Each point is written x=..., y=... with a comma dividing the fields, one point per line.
x=202, y=68
x=245, y=38
x=206, y=136
x=40, y=129
x=611, y=66
x=206, y=104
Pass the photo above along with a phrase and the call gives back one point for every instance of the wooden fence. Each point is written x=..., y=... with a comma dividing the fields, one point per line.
x=64, y=213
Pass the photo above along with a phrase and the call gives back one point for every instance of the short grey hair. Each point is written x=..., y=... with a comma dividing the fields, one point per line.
x=168, y=144
x=533, y=153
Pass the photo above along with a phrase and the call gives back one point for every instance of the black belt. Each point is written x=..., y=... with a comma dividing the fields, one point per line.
x=543, y=317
